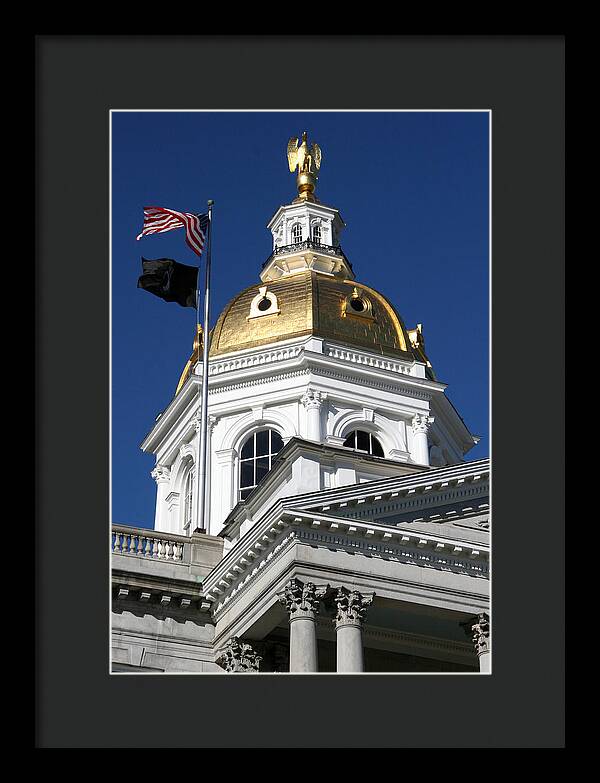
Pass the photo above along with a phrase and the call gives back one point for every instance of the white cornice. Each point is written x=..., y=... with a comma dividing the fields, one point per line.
x=273, y=535
x=430, y=480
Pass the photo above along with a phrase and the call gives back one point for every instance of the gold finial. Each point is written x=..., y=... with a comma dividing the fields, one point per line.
x=308, y=161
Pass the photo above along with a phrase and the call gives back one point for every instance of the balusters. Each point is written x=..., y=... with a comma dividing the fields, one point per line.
x=143, y=545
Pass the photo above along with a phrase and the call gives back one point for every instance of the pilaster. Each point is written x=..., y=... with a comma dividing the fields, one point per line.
x=162, y=475
x=420, y=427
x=312, y=401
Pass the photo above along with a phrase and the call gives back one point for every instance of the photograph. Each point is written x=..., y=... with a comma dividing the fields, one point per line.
x=300, y=438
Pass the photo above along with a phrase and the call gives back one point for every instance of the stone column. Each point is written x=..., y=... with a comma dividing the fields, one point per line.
x=351, y=610
x=302, y=602
x=238, y=656
x=478, y=628
x=312, y=401
x=162, y=476
x=420, y=426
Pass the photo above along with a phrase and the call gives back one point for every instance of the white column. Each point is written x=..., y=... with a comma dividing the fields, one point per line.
x=302, y=602
x=478, y=628
x=162, y=476
x=351, y=609
x=420, y=427
x=224, y=497
x=312, y=401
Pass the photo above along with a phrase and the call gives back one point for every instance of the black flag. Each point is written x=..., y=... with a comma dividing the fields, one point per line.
x=172, y=281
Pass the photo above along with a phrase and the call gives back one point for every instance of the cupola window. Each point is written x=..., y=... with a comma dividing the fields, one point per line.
x=316, y=233
x=264, y=303
x=364, y=441
x=296, y=233
x=357, y=305
x=256, y=459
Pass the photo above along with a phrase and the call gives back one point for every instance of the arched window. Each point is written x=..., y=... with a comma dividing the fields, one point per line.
x=364, y=441
x=256, y=458
x=316, y=233
x=188, y=499
x=296, y=233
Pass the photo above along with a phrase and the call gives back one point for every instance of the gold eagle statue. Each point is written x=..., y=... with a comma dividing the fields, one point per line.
x=308, y=161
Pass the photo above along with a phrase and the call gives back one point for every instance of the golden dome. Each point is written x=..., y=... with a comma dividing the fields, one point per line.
x=309, y=303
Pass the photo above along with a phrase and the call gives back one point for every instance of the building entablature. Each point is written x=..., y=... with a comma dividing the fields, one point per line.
x=282, y=528
x=287, y=366
x=415, y=573
x=447, y=480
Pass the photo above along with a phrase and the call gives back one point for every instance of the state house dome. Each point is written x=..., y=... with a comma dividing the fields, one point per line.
x=310, y=303
x=307, y=288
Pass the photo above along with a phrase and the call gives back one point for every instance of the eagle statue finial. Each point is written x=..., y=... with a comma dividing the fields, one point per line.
x=307, y=160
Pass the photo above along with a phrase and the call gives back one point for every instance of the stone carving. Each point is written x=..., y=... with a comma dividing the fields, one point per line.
x=478, y=628
x=351, y=606
x=161, y=474
x=312, y=399
x=300, y=599
x=197, y=420
x=421, y=422
x=239, y=656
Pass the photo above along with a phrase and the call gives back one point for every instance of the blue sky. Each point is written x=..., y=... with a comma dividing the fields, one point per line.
x=413, y=189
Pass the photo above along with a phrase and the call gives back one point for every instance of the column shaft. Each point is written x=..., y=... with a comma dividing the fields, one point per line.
x=349, y=649
x=485, y=662
x=421, y=448
x=303, y=645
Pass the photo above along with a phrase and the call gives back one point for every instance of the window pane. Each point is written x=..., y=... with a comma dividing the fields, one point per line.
x=276, y=442
x=350, y=442
x=248, y=448
x=376, y=447
x=247, y=474
x=262, y=468
x=262, y=443
x=362, y=440
x=245, y=492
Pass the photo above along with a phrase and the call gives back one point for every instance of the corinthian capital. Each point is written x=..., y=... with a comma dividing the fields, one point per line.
x=161, y=474
x=312, y=399
x=351, y=606
x=478, y=628
x=421, y=422
x=301, y=599
x=238, y=657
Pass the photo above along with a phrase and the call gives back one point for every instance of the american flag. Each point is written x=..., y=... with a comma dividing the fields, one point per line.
x=157, y=220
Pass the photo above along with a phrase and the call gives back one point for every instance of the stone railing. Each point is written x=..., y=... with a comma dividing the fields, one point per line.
x=140, y=542
x=254, y=360
x=356, y=357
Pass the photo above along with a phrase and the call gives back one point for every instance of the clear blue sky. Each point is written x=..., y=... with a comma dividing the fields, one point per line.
x=411, y=187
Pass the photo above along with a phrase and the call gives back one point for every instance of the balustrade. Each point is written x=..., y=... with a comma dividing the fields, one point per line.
x=139, y=542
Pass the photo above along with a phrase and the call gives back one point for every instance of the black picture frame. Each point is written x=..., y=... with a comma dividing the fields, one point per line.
x=78, y=80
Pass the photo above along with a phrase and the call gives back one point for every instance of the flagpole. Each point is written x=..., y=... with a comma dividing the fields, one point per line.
x=202, y=494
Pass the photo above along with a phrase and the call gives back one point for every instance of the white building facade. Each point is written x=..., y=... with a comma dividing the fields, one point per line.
x=345, y=530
